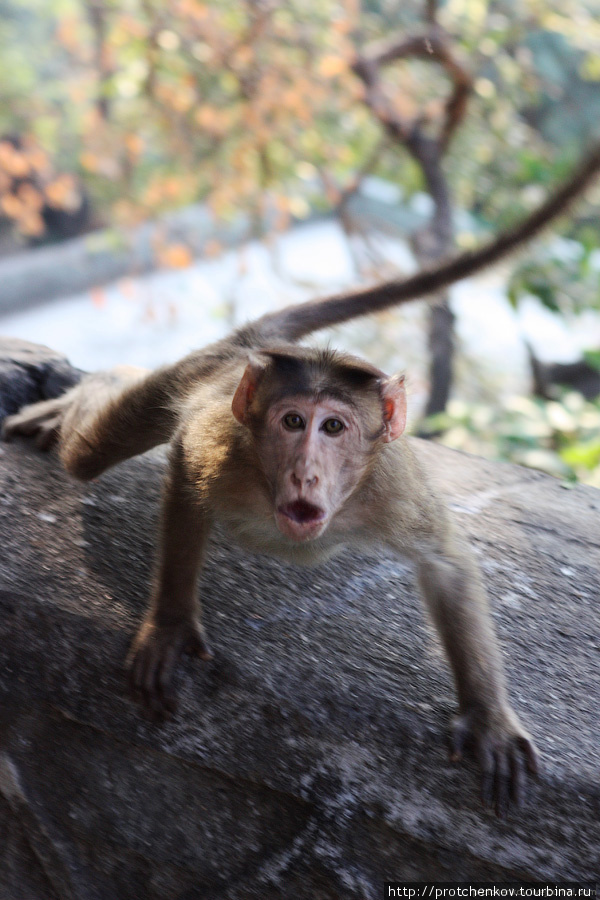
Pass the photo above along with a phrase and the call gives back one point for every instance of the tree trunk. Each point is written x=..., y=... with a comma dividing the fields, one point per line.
x=430, y=245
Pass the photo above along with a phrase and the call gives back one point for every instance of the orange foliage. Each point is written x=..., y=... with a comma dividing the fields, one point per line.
x=30, y=197
x=193, y=9
x=212, y=249
x=13, y=161
x=214, y=120
x=134, y=145
x=98, y=297
x=27, y=185
x=175, y=256
x=62, y=193
x=222, y=110
x=332, y=66
x=68, y=33
x=11, y=206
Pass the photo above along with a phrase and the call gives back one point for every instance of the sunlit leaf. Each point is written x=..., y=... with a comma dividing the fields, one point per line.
x=332, y=66
x=13, y=161
x=30, y=197
x=68, y=32
x=592, y=358
x=586, y=454
x=175, y=256
x=98, y=296
x=31, y=223
x=134, y=144
x=212, y=249
x=11, y=206
x=63, y=193
x=544, y=460
x=559, y=418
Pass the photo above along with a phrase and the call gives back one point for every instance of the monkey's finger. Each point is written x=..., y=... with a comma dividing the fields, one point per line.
x=155, y=707
x=517, y=779
x=502, y=784
x=47, y=434
x=136, y=662
x=137, y=678
x=458, y=741
x=10, y=428
x=197, y=646
x=488, y=771
x=165, y=678
x=149, y=689
x=6, y=430
x=531, y=754
x=134, y=672
x=149, y=676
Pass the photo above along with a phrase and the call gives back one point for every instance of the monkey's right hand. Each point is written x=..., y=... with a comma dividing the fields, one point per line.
x=152, y=660
x=503, y=749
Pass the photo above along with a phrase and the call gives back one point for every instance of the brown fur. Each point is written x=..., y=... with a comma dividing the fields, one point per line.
x=300, y=495
x=367, y=482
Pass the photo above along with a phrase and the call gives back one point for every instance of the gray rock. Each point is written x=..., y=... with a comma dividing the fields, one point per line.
x=30, y=372
x=308, y=760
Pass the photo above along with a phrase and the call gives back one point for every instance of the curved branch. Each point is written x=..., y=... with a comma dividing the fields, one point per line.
x=432, y=45
x=394, y=124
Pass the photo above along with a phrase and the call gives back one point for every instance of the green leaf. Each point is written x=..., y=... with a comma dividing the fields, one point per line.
x=514, y=294
x=585, y=454
x=592, y=358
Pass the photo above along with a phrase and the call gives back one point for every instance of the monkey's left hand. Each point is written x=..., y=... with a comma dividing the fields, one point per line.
x=152, y=660
x=503, y=749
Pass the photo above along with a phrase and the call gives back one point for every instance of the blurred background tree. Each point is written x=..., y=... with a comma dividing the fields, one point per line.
x=133, y=107
x=239, y=102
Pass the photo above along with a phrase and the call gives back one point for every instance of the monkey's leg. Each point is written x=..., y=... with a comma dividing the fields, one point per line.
x=458, y=606
x=40, y=421
x=172, y=624
x=108, y=417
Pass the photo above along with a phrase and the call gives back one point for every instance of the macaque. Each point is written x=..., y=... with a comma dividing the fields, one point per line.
x=299, y=452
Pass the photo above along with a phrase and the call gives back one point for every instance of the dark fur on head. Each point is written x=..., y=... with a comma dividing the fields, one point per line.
x=321, y=373
x=328, y=372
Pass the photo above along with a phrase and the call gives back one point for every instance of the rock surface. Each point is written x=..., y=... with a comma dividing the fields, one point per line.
x=30, y=372
x=308, y=760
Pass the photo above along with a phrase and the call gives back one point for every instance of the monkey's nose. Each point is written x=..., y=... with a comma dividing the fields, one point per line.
x=306, y=481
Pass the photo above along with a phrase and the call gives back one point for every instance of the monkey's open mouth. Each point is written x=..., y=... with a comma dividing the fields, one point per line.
x=303, y=512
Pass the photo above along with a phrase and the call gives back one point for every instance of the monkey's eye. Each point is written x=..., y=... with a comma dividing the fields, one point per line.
x=293, y=421
x=333, y=426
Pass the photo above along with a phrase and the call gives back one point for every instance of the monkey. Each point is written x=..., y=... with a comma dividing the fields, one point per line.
x=299, y=452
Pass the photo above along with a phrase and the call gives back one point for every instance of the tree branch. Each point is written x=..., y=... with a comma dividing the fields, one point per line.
x=435, y=241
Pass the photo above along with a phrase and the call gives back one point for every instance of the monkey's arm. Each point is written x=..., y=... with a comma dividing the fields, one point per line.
x=414, y=522
x=172, y=624
x=114, y=415
x=456, y=600
x=108, y=417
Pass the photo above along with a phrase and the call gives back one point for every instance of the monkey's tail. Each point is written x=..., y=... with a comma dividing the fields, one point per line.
x=294, y=322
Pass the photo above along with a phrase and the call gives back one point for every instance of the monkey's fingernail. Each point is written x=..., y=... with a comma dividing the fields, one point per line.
x=203, y=651
x=533, y=758
x=487, y=790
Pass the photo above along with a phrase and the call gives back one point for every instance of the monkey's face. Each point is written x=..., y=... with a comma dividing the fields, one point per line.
x=317, y=420
x=314, y=454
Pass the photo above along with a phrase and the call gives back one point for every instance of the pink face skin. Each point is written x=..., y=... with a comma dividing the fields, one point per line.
x=314, y=452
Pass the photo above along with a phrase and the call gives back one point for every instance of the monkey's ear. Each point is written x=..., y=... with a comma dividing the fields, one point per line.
x=246, y=389
x=393, y=395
